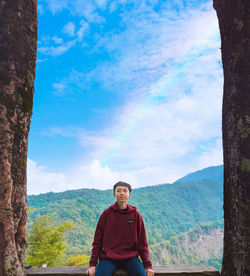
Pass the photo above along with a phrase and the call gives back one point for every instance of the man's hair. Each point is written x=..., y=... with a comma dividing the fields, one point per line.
x=124, y=184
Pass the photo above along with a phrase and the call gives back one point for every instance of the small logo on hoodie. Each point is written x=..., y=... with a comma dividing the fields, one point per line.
x=130, y=221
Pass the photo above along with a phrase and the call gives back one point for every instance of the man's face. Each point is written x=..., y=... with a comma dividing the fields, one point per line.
x=122, y=194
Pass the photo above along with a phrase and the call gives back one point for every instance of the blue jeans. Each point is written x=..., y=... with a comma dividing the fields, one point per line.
x=133, y=266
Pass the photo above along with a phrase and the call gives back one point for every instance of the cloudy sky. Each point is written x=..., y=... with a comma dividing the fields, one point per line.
x=125, y=90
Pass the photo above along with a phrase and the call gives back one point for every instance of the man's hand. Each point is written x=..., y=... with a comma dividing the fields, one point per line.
x=149, y=272
x=91, y=271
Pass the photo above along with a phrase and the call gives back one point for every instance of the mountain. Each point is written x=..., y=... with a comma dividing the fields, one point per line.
x=200, y=245
x=168, y=210
x=214, y=173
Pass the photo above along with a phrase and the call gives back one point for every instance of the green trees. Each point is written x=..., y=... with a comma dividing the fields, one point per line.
x=46, y=242
x=80, y=260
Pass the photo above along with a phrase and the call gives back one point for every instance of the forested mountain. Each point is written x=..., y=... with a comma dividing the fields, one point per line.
x=168, y=210
x=200, y=245
x=213, y=173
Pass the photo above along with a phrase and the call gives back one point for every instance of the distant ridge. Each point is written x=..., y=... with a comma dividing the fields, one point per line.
x=214, y=173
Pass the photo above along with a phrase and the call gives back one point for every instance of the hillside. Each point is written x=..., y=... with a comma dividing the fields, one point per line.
x=201, y=245
x=167, y=209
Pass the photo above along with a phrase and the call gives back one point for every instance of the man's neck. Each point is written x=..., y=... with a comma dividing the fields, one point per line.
x=122, y=206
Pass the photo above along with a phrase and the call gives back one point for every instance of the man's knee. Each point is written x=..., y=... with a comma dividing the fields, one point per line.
x=104, y=271
x=105, y=268
x=134, y=267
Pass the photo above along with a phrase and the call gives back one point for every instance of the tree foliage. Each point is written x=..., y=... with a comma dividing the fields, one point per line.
x=80, y=260
x=47, y=242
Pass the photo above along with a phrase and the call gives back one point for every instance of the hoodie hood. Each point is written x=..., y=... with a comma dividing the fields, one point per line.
x=129, y=209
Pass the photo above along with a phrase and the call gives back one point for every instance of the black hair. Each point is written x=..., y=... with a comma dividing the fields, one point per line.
x=124, y=184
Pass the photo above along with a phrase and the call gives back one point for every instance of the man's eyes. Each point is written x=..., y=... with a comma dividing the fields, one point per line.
x=125, y=191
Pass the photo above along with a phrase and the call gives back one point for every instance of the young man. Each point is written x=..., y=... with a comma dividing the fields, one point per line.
x=120, y=238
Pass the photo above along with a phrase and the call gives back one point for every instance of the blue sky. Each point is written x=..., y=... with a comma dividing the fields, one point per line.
x=124, y=90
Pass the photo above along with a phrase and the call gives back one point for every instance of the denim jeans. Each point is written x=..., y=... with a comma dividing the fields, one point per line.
x=133, y=266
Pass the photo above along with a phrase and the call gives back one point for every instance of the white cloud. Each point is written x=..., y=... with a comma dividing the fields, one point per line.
x=92, y=175
x=211, y=154
x=87, y=9
x=40, y=9
x=69, y=28
x=152, y=43
x=40, y=60
x=187, y=116
x=168, y=67
x=95, y=175
x=101, y=3
x=56, y=51
x=83, y=29
x=70, y=84
x=57, y=40
x=98, y=176
x=62, y=47
x=56, y=6
x=40, y=180
x=59, y=89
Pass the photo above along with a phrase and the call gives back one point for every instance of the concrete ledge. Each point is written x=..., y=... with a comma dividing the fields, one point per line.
x=166, y=270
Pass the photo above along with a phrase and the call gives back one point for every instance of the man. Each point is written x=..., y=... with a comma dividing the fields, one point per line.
x=120, y=238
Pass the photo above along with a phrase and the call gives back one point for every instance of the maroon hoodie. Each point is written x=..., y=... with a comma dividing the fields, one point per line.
x=119, y=235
